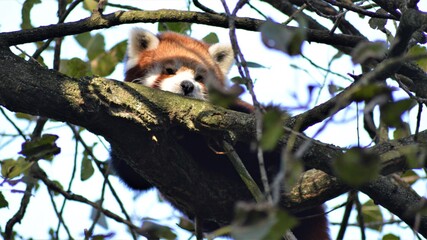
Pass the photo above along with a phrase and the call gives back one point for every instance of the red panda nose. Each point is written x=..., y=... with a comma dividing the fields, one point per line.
x=187, y=87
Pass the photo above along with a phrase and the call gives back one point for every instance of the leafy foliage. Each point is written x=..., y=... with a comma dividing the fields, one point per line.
x=3, y=202
x=26, y=11
x=372, y=215
x=357, y=166
x=260, y=222
x=178, y=27
x=273, y=122
x=276, y=36
x=419, y=51
x=154, y=230
x=41, y=148
x=11, y=168
x=367, y=50
x=86, y=170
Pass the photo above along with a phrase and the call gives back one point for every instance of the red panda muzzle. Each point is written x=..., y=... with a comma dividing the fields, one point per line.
x=187, y=87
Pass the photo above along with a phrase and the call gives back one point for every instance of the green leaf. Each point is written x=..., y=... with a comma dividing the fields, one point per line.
x=211, y=38
x=372, y=214
x=413, y=155
x=273, y=121
x=253, y=65
x=223, y=97
x=103, y=65
x=378, y=23
x=155, y=231
x=25, y=11
x=370, y=91
x=186, y=224
x=11, y=168
x=277, y=36
x=75, y=67
x=390, y=237
x=368, y=50
x=260, y=221
x=284, y=221
x=95, y=46
x=178, y=27
x=357, y=166
x=106, y=62
x=90, y=5
x=416, y=51
x=333, y=89
x=41, y=148
x=239, y=80
x=402, y=131
x=86, y=169
x=58, y=184
x=391, y=112
x=119, y=50
x=25, y=116
x=3, y=201
x=83, y=39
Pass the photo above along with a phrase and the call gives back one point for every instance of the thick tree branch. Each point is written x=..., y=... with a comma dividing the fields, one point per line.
x=400, y=200
x=97, y=21
x=390, y=6
x=411, y=21
x=357, y=9
x=151, y=119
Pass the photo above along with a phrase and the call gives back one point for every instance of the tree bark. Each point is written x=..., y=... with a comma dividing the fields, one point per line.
x=143, y=122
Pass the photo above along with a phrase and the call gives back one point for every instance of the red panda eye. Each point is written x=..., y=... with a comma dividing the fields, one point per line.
x=199, y=78
x=170, y=71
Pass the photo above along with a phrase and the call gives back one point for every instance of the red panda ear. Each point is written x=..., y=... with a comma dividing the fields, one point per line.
x=140, y=40
x=223, y=55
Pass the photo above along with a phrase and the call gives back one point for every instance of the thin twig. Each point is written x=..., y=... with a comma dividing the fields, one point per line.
x=104, y=172
x=292, y=17
x=19, y=215
x=127, y=7
x=244, y=72
x=360, y=10
x=257, y=10
x=89, y=232
x=70, y=183
x=346, y=216
x=417, y=129
x=243, y=172
x=39, y=174
x=13, y=124
x=59, y=216
x=61, y=20
x=360, y=218
x=203, y=7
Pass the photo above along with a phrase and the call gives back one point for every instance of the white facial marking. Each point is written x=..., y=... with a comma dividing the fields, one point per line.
x=139, y=40
x=152, y=76
x=223, y=55
x=173, y=84
x=130, y=63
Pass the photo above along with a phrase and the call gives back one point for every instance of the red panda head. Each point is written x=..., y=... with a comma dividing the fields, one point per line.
x=176, y=63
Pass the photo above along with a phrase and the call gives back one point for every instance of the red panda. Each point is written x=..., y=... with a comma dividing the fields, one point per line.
x=176, y=63
x=183, y=65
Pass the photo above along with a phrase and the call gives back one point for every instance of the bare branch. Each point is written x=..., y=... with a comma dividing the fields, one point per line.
x=97, y=21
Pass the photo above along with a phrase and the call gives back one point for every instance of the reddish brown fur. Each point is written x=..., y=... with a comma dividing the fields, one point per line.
x=313, y=225
x=188, y=51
